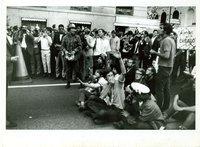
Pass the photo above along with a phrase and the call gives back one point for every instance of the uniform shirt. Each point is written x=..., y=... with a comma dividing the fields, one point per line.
x=71, y=42
x=167, y=45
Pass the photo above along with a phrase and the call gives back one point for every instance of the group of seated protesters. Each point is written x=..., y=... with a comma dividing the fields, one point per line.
x=113, y=96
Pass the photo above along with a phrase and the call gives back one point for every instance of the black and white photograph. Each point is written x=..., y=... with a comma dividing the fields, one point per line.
x=100, y=68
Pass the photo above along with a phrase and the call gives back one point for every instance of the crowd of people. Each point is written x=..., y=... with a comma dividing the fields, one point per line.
x=124, y=78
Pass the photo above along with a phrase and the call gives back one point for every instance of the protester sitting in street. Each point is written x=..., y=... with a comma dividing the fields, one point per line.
x=150, y=116
x=93, y=87
x=130, y=72
x=110, y=104
x=139, y=77
x=150, y=78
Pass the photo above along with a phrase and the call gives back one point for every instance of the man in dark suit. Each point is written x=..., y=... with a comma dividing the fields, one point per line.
x=27, y=45
x=155, y=44
x=57, y=52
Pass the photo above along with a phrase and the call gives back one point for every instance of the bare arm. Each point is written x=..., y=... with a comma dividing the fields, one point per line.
x=122, y=67
x=167, y=49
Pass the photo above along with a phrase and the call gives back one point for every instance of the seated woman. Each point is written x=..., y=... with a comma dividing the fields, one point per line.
x=93, y=87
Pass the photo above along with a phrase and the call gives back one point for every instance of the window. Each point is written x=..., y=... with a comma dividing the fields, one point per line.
x=163, y=17
x=175, y=15
x=81, y=8
x=124, y=10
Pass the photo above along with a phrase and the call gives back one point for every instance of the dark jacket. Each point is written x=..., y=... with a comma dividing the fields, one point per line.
x=57, y=40
x=9, y=64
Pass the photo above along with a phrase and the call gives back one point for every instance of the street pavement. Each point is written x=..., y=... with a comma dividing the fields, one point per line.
x=45, y=104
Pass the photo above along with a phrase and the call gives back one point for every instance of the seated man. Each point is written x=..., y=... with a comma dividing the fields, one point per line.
x=139, y=77
x=150, y=78
x=130, y=72
x=184, y=104
x=150, y=116
x=109, y=105
x=91, y=88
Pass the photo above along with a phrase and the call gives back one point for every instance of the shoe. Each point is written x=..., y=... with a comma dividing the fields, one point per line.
x=49, y=75
x=45, y=75
x=81, y=108
x=78, y=103
x=67, y=86
x=119, y=125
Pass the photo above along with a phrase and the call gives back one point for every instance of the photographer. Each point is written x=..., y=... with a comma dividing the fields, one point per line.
x=46, y=42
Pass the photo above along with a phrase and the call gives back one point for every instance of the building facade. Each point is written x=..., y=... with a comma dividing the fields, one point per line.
x=106, y=17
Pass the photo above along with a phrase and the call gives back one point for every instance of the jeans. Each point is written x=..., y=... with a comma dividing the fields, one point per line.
x=162, y=87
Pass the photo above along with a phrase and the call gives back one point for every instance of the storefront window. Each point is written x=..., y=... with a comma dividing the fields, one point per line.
x=124, y=10
x=81, y=8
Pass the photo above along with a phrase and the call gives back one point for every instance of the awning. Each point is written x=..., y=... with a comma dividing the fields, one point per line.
x=80, y=22
x=135, y=25
x=33, y=19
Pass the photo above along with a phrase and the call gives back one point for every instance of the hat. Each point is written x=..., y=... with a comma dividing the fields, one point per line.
x=140, y=87
x=71, y=26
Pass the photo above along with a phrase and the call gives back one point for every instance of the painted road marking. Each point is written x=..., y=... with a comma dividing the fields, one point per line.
x=43, y=85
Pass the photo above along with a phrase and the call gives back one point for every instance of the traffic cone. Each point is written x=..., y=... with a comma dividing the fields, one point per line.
x=20, y=71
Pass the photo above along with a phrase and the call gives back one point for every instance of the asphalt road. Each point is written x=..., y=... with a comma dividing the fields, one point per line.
x=43, y=106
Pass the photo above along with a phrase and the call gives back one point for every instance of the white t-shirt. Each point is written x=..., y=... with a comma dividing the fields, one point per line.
x=102, y=46
x=45, y=42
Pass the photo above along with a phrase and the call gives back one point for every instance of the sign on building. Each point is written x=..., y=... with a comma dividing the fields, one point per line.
x=186, y=38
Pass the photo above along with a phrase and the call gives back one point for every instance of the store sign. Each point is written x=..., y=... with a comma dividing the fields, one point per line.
x=186, y=38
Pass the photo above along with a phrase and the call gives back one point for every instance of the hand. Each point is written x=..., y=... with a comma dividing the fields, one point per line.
x=117, y=55
x=14, y=58
x=152, y=52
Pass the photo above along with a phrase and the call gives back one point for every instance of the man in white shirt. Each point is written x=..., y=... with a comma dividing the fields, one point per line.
x=101, y=47
x=46, y=42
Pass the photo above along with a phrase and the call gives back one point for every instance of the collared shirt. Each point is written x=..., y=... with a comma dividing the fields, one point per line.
x=23, y=44
x=102, y=46
x=114, y=94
